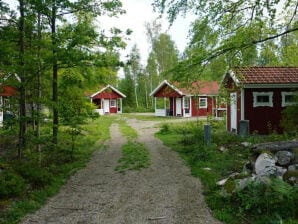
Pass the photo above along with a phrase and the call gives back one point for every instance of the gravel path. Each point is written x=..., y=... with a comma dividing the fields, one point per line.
x=163, y=193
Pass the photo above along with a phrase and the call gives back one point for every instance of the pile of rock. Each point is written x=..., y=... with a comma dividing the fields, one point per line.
x=274, y=159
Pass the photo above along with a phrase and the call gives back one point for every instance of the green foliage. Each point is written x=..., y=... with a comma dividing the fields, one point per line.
x=135, y=156
x=41, y=175
x=127, y=131
x=257, y=203
x=11, y=185
x=35, y=175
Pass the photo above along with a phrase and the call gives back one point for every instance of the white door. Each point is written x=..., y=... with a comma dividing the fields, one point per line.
x=233, y=98
x=106, y=106
x=187, y=106
x=178, y=106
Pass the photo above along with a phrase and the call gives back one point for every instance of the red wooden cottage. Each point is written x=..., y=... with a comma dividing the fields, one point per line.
x=108, y=100
x=198, y=99
x=259, y=94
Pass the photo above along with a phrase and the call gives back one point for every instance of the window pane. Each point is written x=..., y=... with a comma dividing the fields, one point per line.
x=263, y=99
x=186, y=102
x=289, y=98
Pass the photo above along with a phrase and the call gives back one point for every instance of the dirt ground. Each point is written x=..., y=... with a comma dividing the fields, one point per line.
x=163, y=193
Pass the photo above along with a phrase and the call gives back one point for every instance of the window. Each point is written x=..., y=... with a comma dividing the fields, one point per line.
x=186, y=102
x=288, y=98
x=113, y=103
x=202, y=102
x=263, y=99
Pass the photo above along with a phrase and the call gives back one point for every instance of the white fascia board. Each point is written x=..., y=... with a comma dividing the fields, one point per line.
x=161, y=85
x=232, y=74
x=269, y=85
x=108, y=86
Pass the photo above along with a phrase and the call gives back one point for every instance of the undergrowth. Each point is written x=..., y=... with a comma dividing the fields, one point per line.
x=258, y=204
x=26, y=184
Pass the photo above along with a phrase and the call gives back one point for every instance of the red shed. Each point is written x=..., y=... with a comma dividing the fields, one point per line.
x=108, y=100
x=5, y=93
x=259, y=94
x=198, y=99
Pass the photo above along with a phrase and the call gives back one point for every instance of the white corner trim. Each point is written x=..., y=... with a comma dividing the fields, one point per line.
x=242, y=104
x=262, y=104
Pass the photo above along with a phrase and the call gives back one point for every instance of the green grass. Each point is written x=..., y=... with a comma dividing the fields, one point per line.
x=126, y=130
x=135, y=156
x=56, y=166
x=187, y=140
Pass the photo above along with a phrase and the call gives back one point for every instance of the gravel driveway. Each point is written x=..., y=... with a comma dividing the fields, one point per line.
x=163, y=193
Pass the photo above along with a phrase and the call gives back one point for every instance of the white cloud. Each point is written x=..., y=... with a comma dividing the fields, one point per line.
x=137, y=13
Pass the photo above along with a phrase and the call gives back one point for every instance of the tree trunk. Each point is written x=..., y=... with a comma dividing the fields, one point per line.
x=22, y=99
x=55, y=76
x=38, y=85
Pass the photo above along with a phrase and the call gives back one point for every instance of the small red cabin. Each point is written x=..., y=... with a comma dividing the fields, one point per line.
x=5, y=93
x=198, y=99
x=108, y=100
x=258, y=95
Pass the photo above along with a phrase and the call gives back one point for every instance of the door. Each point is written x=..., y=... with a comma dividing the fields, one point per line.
x=187, y=106
x=233, y=98
x=106, y=106
x=178, y=106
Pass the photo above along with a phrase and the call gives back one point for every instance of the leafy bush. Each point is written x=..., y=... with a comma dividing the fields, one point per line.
x=11, y=184
x=37, y=176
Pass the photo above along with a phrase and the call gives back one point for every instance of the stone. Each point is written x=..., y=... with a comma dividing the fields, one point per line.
x=245, y=144
x=280, y=171
x=223, y=149
x=284, y=157
x=242, y=183
x=248, y=167
x=293, y=167
x=222, y=182
x=265, y=165
x=207, y=168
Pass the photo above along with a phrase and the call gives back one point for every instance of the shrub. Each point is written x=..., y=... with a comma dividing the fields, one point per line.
x=11, y=184
x=35, y=175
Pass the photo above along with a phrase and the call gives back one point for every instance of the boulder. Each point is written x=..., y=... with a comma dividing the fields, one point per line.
x=245, y=144
x=293, y=167
x=265, y=165
x=284, y=157
x=275, y=146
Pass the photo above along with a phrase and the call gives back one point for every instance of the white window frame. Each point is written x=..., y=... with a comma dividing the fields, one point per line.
x=203, y=99
x=113, y=103
x=186, y=102
x=283, y=97
x=263, y=104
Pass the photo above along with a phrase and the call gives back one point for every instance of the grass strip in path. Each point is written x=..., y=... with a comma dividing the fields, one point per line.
x=135, y=155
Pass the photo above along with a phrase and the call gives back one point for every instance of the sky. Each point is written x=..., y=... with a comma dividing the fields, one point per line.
x=137, y=13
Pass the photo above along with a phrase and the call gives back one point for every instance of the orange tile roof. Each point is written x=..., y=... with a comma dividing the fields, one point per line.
x=267, y=75
x=199, y=87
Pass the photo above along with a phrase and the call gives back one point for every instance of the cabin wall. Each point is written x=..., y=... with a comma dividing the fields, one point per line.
x=264, y=119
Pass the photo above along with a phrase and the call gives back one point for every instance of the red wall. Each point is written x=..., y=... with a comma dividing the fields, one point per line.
x=202, y=111
x=166, y=91
x=107, y=94
x=260, y=118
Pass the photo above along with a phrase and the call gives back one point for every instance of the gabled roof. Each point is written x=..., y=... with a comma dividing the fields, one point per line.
x=196, y=88
x=162, y=84
x=263, y=75
x=107, y=87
